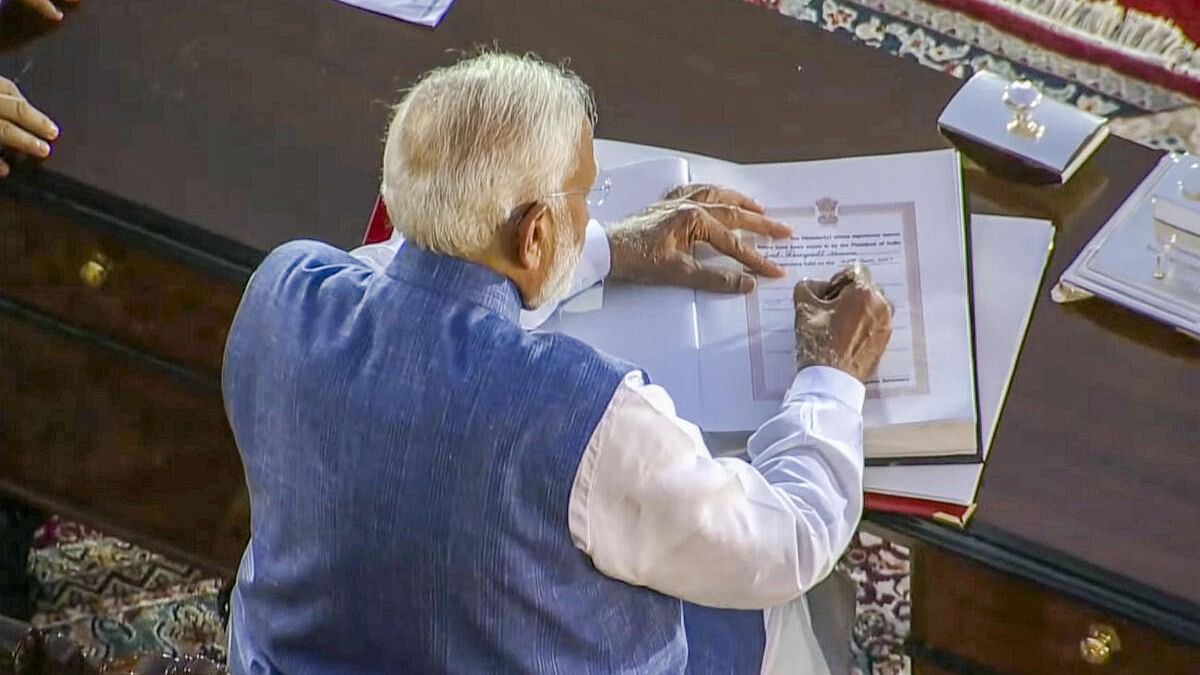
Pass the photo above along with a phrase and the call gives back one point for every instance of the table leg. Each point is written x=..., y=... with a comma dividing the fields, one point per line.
x=18, y=523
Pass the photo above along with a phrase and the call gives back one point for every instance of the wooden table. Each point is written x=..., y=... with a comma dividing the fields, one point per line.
x=198, y=136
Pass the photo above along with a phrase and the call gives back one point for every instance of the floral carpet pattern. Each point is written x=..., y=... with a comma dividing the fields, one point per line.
x=119, y=599
x=960, y=45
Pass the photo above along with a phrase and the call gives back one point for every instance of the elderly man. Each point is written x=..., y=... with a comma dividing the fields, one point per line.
x=436, y=489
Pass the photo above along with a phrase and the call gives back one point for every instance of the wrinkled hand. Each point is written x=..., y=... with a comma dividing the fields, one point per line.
x=844, y=323
x=22, y=127
x=46, y=8
x=655, y=246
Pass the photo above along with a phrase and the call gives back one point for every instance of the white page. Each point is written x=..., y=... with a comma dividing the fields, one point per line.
x=636, y=185
x=611, y=153
x=876, y=239
x=1008, y=257
x=917, y=194
x=653, y=327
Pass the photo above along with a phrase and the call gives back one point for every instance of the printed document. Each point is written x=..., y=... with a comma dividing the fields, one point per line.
x=727, y=359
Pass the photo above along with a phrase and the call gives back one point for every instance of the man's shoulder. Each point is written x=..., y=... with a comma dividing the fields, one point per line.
x=304, y=261
x=298, y=277
x=298, y=252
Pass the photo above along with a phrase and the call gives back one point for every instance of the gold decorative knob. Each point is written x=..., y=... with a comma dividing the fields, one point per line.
x=1100, y=644
x=94, y=272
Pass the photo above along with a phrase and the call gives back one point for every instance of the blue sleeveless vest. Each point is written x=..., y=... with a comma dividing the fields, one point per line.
x=410, y=452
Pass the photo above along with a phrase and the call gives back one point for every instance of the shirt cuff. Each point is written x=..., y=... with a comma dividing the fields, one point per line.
x=830, y=382
x=596, y=260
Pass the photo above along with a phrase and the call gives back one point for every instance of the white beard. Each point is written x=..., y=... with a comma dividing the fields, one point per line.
x=562, y=269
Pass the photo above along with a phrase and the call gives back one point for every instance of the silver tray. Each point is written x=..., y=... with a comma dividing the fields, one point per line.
x=1127, y=264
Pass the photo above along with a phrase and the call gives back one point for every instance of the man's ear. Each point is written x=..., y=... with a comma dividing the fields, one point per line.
x=533, y=236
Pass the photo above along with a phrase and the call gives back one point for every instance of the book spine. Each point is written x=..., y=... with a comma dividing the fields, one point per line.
x=954, y=515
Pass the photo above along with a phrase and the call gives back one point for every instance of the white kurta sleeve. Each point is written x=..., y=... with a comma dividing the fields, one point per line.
x=593, y=267
x=652, y=507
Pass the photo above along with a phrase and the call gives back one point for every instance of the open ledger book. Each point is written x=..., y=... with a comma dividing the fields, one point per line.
x=727, y=360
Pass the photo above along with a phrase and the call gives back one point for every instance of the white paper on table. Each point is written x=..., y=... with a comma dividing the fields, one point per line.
x=912, y=197
x=424, y=12
x=636, y=185
x=1008, y=257
x=875, y=193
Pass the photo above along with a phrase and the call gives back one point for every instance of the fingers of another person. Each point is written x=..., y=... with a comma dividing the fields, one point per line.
x=3, y=168
x=45, y=8
x=15, y=109
x=13, y=136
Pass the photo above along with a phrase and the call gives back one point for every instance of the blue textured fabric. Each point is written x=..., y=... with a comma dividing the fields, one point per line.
x=410, y=452
x=724, y=641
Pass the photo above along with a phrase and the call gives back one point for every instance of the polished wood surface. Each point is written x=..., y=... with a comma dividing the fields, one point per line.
x=1009, y=625
x=261, y=122
x=1097, y=456
x=924, y=668
x=97, y=281
x=95, y=434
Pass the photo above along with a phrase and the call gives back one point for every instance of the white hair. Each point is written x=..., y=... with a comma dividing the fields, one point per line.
x=471, y=142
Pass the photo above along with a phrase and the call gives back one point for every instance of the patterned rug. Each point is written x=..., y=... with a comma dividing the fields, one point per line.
x=1146, y=39
x=959, y=44
x=118, y=599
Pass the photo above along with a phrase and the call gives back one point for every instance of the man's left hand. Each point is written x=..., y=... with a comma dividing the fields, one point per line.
x=655, y=246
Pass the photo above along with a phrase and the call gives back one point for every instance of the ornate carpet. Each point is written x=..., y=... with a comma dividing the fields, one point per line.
x=960, y=43
x=119, y=599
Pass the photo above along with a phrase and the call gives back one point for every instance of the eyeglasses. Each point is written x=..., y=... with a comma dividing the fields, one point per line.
x=595, y=196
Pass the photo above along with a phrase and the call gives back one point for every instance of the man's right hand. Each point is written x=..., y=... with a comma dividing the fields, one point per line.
x=843, y=323
x=22, y=127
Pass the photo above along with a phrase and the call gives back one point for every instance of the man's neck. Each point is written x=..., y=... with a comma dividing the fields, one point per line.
x=496, y=261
